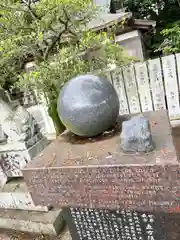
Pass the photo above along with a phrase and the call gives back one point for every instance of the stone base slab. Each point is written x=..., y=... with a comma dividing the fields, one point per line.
x=14, y=235
x=15, y=195
x=21, y=201
x=21, y=145
x=14, y=160
x=49, y=223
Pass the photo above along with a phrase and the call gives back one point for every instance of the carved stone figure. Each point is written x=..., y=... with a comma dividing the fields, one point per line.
x=88, y=105
x=20, y=139
x=136, y=135
x=17, y=124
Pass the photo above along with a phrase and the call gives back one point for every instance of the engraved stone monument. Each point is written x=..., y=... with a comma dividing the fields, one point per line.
x=107, y=193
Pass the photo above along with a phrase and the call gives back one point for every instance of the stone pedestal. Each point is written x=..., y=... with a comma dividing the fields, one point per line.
x=107, y=194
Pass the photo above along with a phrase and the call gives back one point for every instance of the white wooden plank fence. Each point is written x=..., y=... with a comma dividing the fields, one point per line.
x=149, y=86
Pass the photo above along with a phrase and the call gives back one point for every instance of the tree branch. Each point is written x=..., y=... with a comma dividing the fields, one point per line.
x=53, y=44
x=67, y=20
x=28, y=5
x=67, y=29
x=66, y=15
x=61, y=21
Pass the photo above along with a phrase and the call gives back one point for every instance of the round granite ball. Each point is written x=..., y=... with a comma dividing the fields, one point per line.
x=88, y=105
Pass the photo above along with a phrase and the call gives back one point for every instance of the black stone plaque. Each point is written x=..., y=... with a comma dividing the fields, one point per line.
x=93, y=224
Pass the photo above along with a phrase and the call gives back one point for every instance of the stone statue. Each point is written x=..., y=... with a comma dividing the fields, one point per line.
x=17, y=123
x=136, y=135
x=88, y=105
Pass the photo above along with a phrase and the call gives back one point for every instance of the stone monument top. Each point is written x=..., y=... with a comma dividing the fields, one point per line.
x=71, y=150
x=94, y=172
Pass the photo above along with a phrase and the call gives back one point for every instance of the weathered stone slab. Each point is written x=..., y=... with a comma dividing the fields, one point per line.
x=137, y=188
x=16, y=235
x=15, y=195
x=136, y=135
x=14, y=157
x=47, y=223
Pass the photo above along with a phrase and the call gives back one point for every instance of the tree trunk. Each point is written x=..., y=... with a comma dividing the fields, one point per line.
x=54, y=115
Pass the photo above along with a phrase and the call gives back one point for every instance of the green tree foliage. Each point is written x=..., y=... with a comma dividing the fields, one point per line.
x=171, y=42
x=32, y=31
x=54, y=34
x=164, y=12
x=94, y=53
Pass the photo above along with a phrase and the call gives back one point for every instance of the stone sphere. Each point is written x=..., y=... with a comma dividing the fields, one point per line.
x=88, y=105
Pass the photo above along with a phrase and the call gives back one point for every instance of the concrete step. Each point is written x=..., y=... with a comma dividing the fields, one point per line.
x=15, y=195
x=48, y=223
x=15, y=235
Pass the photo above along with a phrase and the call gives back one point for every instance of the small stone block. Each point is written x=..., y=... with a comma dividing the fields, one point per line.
x=47, y=223
x=14, y=160
x=15, y=195
x=136, y=135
